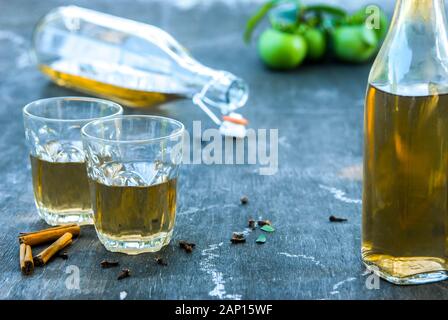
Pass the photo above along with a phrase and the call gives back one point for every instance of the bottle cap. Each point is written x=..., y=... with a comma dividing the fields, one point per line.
x=233, y=125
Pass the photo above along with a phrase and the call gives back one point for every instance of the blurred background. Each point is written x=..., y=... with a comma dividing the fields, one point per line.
x=211, y=30
x=317, y=108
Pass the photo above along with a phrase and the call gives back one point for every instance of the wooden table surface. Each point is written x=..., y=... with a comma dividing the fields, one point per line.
x=318, y=111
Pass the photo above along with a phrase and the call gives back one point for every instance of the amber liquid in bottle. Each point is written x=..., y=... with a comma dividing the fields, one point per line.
x=121, y=94
x=405, y=194
x=132, y=63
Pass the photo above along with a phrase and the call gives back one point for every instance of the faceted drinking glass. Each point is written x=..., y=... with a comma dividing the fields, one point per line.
x=52, y=130
x=132, y=166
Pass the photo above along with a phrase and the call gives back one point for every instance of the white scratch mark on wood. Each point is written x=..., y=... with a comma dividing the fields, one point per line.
x=340, y=283
x=208, y=266
x=283, y=141
x=247, y=231
x=340, y=195
x=23, y=59
x=11, y=36
x=194, y=210
x=352, y=172
x=302, y=256
x=334, y=292
x=4, y=196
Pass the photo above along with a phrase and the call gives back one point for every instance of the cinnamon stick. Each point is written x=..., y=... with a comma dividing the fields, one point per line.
x=48, y=235
x=43, y=257
x=26, y=259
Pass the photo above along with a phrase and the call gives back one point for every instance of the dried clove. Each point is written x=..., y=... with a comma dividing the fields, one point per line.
x=336, y=219
x=63, y=255
x=251, y=223
x=238, y=237
x=262, y=223
x=124, y=274
x=187, y=246
x=108, y=264
x=161, y=261
x=244, y=200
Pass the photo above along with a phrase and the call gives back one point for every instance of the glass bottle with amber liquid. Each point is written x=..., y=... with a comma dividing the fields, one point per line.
x=405, y=191
x=134, y=64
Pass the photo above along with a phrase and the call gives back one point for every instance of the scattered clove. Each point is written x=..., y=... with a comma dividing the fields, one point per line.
x=187, y=246
x=108, y=264
x=251, y=224
x=262, y=223
x=124, y=274
x=63, y=255
x=161, y=261
x=238, y=237
x=244, y=200
x=336, y=219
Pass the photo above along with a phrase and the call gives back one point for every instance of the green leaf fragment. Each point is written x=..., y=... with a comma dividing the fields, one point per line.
x=284, y=18
x=267, y=228
x=257, y=17
x=328, y=9
x=261, y=239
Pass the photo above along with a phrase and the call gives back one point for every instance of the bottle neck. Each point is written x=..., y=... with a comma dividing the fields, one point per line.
x=214, y=88
x=414, y=57
x=420, y=24
x=223, y=90
x=431, y=12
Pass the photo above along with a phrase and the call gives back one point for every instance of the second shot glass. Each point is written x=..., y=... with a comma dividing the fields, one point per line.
x=52, y=130
x=132, y=164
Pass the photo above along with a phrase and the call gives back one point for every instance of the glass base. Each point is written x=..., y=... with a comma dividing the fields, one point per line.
x=67, y=217
x=434, y=275
x=133, y=246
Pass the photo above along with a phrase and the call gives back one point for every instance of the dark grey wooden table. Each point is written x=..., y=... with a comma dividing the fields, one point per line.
x=318, y=111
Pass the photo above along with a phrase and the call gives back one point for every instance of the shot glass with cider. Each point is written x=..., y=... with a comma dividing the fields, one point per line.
x=52, y=130
x=132, y=165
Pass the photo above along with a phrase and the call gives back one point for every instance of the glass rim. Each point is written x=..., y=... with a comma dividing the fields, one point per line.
x=177, y=132
x=30, y=115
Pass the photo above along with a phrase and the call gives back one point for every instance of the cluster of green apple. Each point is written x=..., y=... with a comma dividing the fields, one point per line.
x=299, y=33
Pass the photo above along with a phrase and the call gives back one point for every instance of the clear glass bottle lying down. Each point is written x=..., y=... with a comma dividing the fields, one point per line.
x=132, y=63
x=405, y=193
